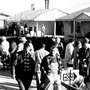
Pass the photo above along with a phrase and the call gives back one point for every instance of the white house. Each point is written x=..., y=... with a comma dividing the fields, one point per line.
x=39, y=17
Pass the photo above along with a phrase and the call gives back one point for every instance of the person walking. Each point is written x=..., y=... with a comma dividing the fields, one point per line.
x=83, y=55
x=24, y=68
x=31, y=48
x=60, y=47
x=75, y=55
x=5, y=52
x=39, y=55
x=68, y=53
x=50, y=66
x=21, y=44
x=13, y=51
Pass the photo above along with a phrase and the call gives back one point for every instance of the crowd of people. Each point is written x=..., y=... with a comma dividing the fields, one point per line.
x=24, y=61
x=17, y=29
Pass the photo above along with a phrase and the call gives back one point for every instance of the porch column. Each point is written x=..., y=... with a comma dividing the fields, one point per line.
x=54, y=28
x=74, y=30
x=36, y=29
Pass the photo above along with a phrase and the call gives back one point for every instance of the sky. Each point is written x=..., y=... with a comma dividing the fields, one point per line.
x=12, y=7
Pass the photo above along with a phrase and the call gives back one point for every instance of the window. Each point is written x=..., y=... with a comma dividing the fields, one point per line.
x=78, y=27
x=71, y=23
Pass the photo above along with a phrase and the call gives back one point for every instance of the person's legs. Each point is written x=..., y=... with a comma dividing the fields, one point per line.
x=43, y=78
x=27, y=84
x=21, y=84
x=4, y=61
x=27, y=81
x=24, y=84
x=58, y=82
x=38, y=75
x=50, y=81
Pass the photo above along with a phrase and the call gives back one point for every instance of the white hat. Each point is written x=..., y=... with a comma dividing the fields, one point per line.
x=23, y=39
x=3, y=38
x=86, y=40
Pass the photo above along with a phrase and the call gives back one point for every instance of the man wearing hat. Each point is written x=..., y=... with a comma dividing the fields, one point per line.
x=21, y=44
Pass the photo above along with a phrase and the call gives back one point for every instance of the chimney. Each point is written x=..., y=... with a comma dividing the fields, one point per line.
x=33, y=6
x=46, y=4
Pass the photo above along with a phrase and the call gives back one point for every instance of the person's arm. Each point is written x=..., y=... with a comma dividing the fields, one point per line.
x=72, y=56
x=14, y=64
x=42, y=65
x=13, y=72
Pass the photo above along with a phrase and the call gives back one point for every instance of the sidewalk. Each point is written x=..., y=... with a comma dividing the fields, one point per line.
x=8, y=83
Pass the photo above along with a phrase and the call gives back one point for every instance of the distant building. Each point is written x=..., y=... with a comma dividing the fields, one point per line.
x=38, y=17
x=77, y=24
x=3, y=18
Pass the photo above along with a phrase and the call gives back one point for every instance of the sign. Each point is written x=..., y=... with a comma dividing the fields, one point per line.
x=69, y=76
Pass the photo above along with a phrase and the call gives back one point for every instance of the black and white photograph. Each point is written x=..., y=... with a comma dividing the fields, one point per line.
x=44, y=44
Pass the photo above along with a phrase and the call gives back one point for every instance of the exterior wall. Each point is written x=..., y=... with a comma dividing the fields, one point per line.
x=49, y=27
x=85, y=28
x=31, y=24
x=59, y=28
x=67, y=28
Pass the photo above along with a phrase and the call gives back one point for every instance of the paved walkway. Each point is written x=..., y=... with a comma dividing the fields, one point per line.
x=8, y=83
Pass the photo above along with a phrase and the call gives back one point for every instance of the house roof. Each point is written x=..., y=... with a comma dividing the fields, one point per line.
x=51, y=15
x=75, y=14
x=37, y=15
x=83, y=17
x=3, y=16
x=27, y=15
